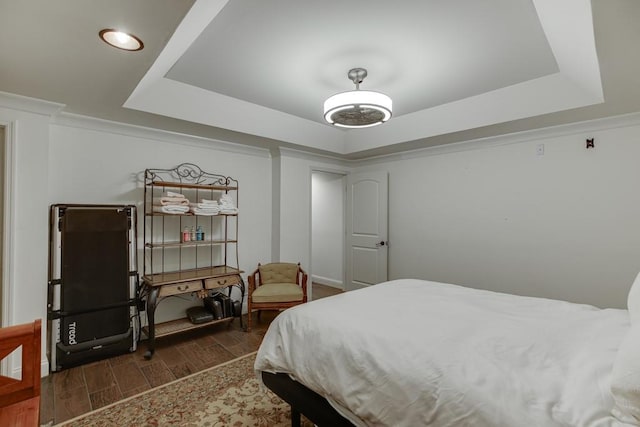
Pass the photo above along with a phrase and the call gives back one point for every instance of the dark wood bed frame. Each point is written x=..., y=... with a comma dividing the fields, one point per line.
x=304, y=401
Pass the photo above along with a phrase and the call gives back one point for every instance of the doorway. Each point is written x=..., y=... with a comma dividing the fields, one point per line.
x=328, y=228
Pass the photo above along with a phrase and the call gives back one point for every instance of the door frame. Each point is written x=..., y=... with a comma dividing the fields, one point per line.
x=9, y=146
x=344, y=175
x=8, y=172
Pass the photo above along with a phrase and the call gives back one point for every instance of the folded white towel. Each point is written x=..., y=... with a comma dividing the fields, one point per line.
x=166, y=200
x=229, y=211
x=205, y=205
x=174, y=194
x=171, y=209
x=209, y=202
x=199, y=211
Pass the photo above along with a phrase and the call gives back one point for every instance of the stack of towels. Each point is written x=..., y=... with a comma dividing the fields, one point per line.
x=205, y=207
x=227, y=206
x=171, y=203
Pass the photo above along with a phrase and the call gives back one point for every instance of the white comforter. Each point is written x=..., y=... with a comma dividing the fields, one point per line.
x=418, y=353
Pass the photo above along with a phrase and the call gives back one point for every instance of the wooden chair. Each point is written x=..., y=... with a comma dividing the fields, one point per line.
x=20, y=398
x=276, y=286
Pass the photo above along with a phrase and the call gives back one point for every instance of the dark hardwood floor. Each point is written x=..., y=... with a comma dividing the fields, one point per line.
x=75, y=391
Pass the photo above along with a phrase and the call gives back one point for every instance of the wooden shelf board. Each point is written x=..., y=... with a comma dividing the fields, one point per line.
x=193, y=186
x=189, y=244
x=187, y=214
x=188, y=275
x=180, y=325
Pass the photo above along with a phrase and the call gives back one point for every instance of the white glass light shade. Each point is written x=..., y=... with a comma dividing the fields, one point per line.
x=358, y=101
x=121, y=40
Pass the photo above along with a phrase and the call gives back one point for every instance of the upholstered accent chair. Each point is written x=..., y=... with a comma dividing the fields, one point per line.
x=276, y=286
x=20, y=398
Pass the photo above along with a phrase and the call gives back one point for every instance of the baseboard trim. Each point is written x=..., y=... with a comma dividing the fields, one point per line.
x=327, y=281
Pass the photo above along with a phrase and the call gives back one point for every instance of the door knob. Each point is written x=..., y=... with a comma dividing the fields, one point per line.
x=381, y=243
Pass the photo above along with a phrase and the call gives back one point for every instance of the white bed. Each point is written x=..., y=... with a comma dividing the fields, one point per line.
x=412, y=353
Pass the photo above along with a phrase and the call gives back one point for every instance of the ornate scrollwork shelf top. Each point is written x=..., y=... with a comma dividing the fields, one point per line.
x=190, y=176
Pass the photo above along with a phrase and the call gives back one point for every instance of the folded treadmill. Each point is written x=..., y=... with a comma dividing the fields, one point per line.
x=93, y=283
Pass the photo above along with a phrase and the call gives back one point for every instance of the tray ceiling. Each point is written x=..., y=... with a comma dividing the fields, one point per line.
x=266, y=67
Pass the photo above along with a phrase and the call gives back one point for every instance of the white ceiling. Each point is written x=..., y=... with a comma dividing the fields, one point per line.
x=412, y=53
x=257, y=72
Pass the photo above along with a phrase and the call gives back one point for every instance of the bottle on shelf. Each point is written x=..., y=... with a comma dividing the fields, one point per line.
x=199, y=233
x=186, y=236
x=192, y=235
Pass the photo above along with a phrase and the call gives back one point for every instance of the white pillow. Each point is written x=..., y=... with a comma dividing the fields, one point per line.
x=633, y=301
x=625, y=378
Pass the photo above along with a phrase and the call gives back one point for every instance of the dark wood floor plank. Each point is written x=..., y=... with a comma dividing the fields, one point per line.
x=243, y=347
x=197, y=355
x=170, y=355
x=157, y=373
x=123, y=358
x=128, y=376
x=324, y=291
x=47, y=398
x=218, y=355
x=135, y=391
x=105, y=396
x=98, y=376
x=182, y=369
x=75, y=404
x=68, y=379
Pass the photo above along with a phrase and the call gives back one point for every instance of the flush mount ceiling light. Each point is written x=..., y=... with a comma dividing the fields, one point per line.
x=121, y=40
x=357, y=108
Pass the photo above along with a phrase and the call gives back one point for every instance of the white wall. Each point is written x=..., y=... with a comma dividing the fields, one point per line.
x=495, y=215
x=327, y=228
x=25, y=254
x=106, y=165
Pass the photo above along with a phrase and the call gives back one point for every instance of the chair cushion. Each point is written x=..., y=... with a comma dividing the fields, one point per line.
x=278, y=272
x=277, y=292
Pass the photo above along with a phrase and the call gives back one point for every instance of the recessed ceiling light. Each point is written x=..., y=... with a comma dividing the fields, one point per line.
x=121, y=40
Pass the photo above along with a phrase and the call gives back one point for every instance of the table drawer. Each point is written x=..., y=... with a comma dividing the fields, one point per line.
x=220, y=282
x=180, y=288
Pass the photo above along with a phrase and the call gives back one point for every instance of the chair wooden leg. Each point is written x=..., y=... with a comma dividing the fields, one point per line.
x=249, y=320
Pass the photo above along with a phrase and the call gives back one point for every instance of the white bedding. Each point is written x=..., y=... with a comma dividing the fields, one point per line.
x=413, y=353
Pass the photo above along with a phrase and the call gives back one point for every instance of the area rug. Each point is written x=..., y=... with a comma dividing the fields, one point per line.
x=225, y=395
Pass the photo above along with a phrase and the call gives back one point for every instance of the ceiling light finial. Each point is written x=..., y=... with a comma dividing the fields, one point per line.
x=357, y=75
x=357, y=108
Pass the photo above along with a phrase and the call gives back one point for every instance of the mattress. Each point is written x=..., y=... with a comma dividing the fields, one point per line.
x=413, y=352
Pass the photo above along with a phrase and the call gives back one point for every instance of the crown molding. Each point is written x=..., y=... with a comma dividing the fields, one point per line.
x=125, y=129
x=30, y=105
x=588, y=126
x=306, y=155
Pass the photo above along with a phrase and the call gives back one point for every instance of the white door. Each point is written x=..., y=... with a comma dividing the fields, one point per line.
x=367, y=245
